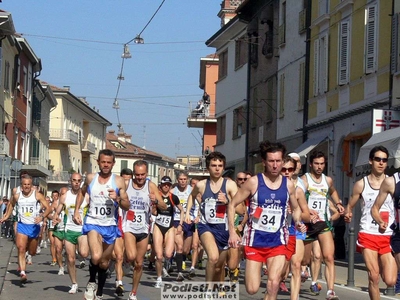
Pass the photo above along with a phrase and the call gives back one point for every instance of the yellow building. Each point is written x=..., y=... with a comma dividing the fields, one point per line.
x=349, y=76
x=77, y=134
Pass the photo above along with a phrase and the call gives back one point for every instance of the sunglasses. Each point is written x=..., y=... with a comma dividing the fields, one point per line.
x=76, y=180
x=287, y=169
x=380, y=159
x=242, y=179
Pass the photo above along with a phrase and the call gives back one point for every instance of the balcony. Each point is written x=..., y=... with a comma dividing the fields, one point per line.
x=36, y=168
x=88, y=147
x=66, y=136
x=196, y=166
x=59, y=177
x=199, y=114
x=4, y=145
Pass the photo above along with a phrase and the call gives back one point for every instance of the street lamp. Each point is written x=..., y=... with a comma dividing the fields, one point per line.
x=126, y=53
x=138, y=39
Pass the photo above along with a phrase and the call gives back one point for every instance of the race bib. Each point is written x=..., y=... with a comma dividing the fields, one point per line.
x=215, y=213
x=318, y=204
x=135, y=220
x=163, y=221
x=27, y=210
x=269, y=219
x=103, y=212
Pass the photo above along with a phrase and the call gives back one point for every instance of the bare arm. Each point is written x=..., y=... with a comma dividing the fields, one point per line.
x=301, y=200
x=79, y=199
x=296, y=211
x=59, y=208
x=242, y=194
x=157, y=197
x=44, y=203
x=122, y=197
x=335, y=196
x=10, y=207
x=192, y=197
x=387, y=188
x=355, y=196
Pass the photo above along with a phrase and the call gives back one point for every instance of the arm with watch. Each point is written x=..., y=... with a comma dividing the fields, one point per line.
x=335, y=196
x=155, y=197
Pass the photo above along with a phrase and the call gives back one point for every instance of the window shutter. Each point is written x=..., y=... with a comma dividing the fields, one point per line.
x=282, y=96
x=344, y=53
x=301, y=85
x=395, y=47
x=325, y=63
x=370, y=39
x=316, y=66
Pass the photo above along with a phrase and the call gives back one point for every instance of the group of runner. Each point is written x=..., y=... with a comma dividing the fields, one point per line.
x=275, y=218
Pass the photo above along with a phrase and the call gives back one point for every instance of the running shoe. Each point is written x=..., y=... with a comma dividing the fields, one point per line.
x=74, y=288
x=314, y=289
x=192, y=272
x=132, y=296
x=61, y=271
x=183, y=266
x=29, y=259
x=283, y=287
x=38, y=250
x=82, y=264
x=165, y=272
x=331, y=296
x=90, y=292
x=180, y=277
x=304, y=276
x=53, y=263
x=158, y=284
x=23, y=279
x=234, y=275
x=119, y=291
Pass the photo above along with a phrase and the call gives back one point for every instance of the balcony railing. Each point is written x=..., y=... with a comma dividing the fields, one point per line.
x=88, y=147
x=63, y=135
x=200, y=110
x=34, y=161
x=4, y=145
x=59, y=176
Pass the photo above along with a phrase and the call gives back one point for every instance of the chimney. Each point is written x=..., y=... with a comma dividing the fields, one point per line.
x=228, y=10
x=128, y=138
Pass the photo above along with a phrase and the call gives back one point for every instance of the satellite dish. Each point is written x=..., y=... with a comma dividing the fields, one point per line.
x=16, y=165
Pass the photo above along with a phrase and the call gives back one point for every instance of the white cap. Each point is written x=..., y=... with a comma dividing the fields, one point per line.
x=294, y=155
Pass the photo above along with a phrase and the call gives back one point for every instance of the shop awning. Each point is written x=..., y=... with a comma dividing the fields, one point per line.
x=390, y=139
x=308, y=146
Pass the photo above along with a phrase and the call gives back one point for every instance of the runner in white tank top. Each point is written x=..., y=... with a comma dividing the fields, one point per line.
x=373, y=243
x=29, y=202
x=106, y=192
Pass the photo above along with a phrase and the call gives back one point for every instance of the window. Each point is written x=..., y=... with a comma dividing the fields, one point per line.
x=282, y=95
x=321, y=65
x=223, y=65
x=323, y=7
x=254, y=108
x=344, y=37
x=239, y=122
x=221, y=124
x=282, y=27
x=270, y=101
x=7, y=76
x=124, y=164
x=302, y=72
x=370, y=38
x=240, y=52
x=254, y=50
x=25, y=79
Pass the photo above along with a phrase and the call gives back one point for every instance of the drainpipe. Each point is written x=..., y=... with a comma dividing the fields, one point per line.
x=246, y=147
x=391, y=60
x=307, y=69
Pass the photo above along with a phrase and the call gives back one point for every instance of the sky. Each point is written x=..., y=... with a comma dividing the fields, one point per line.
x=80, y=44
